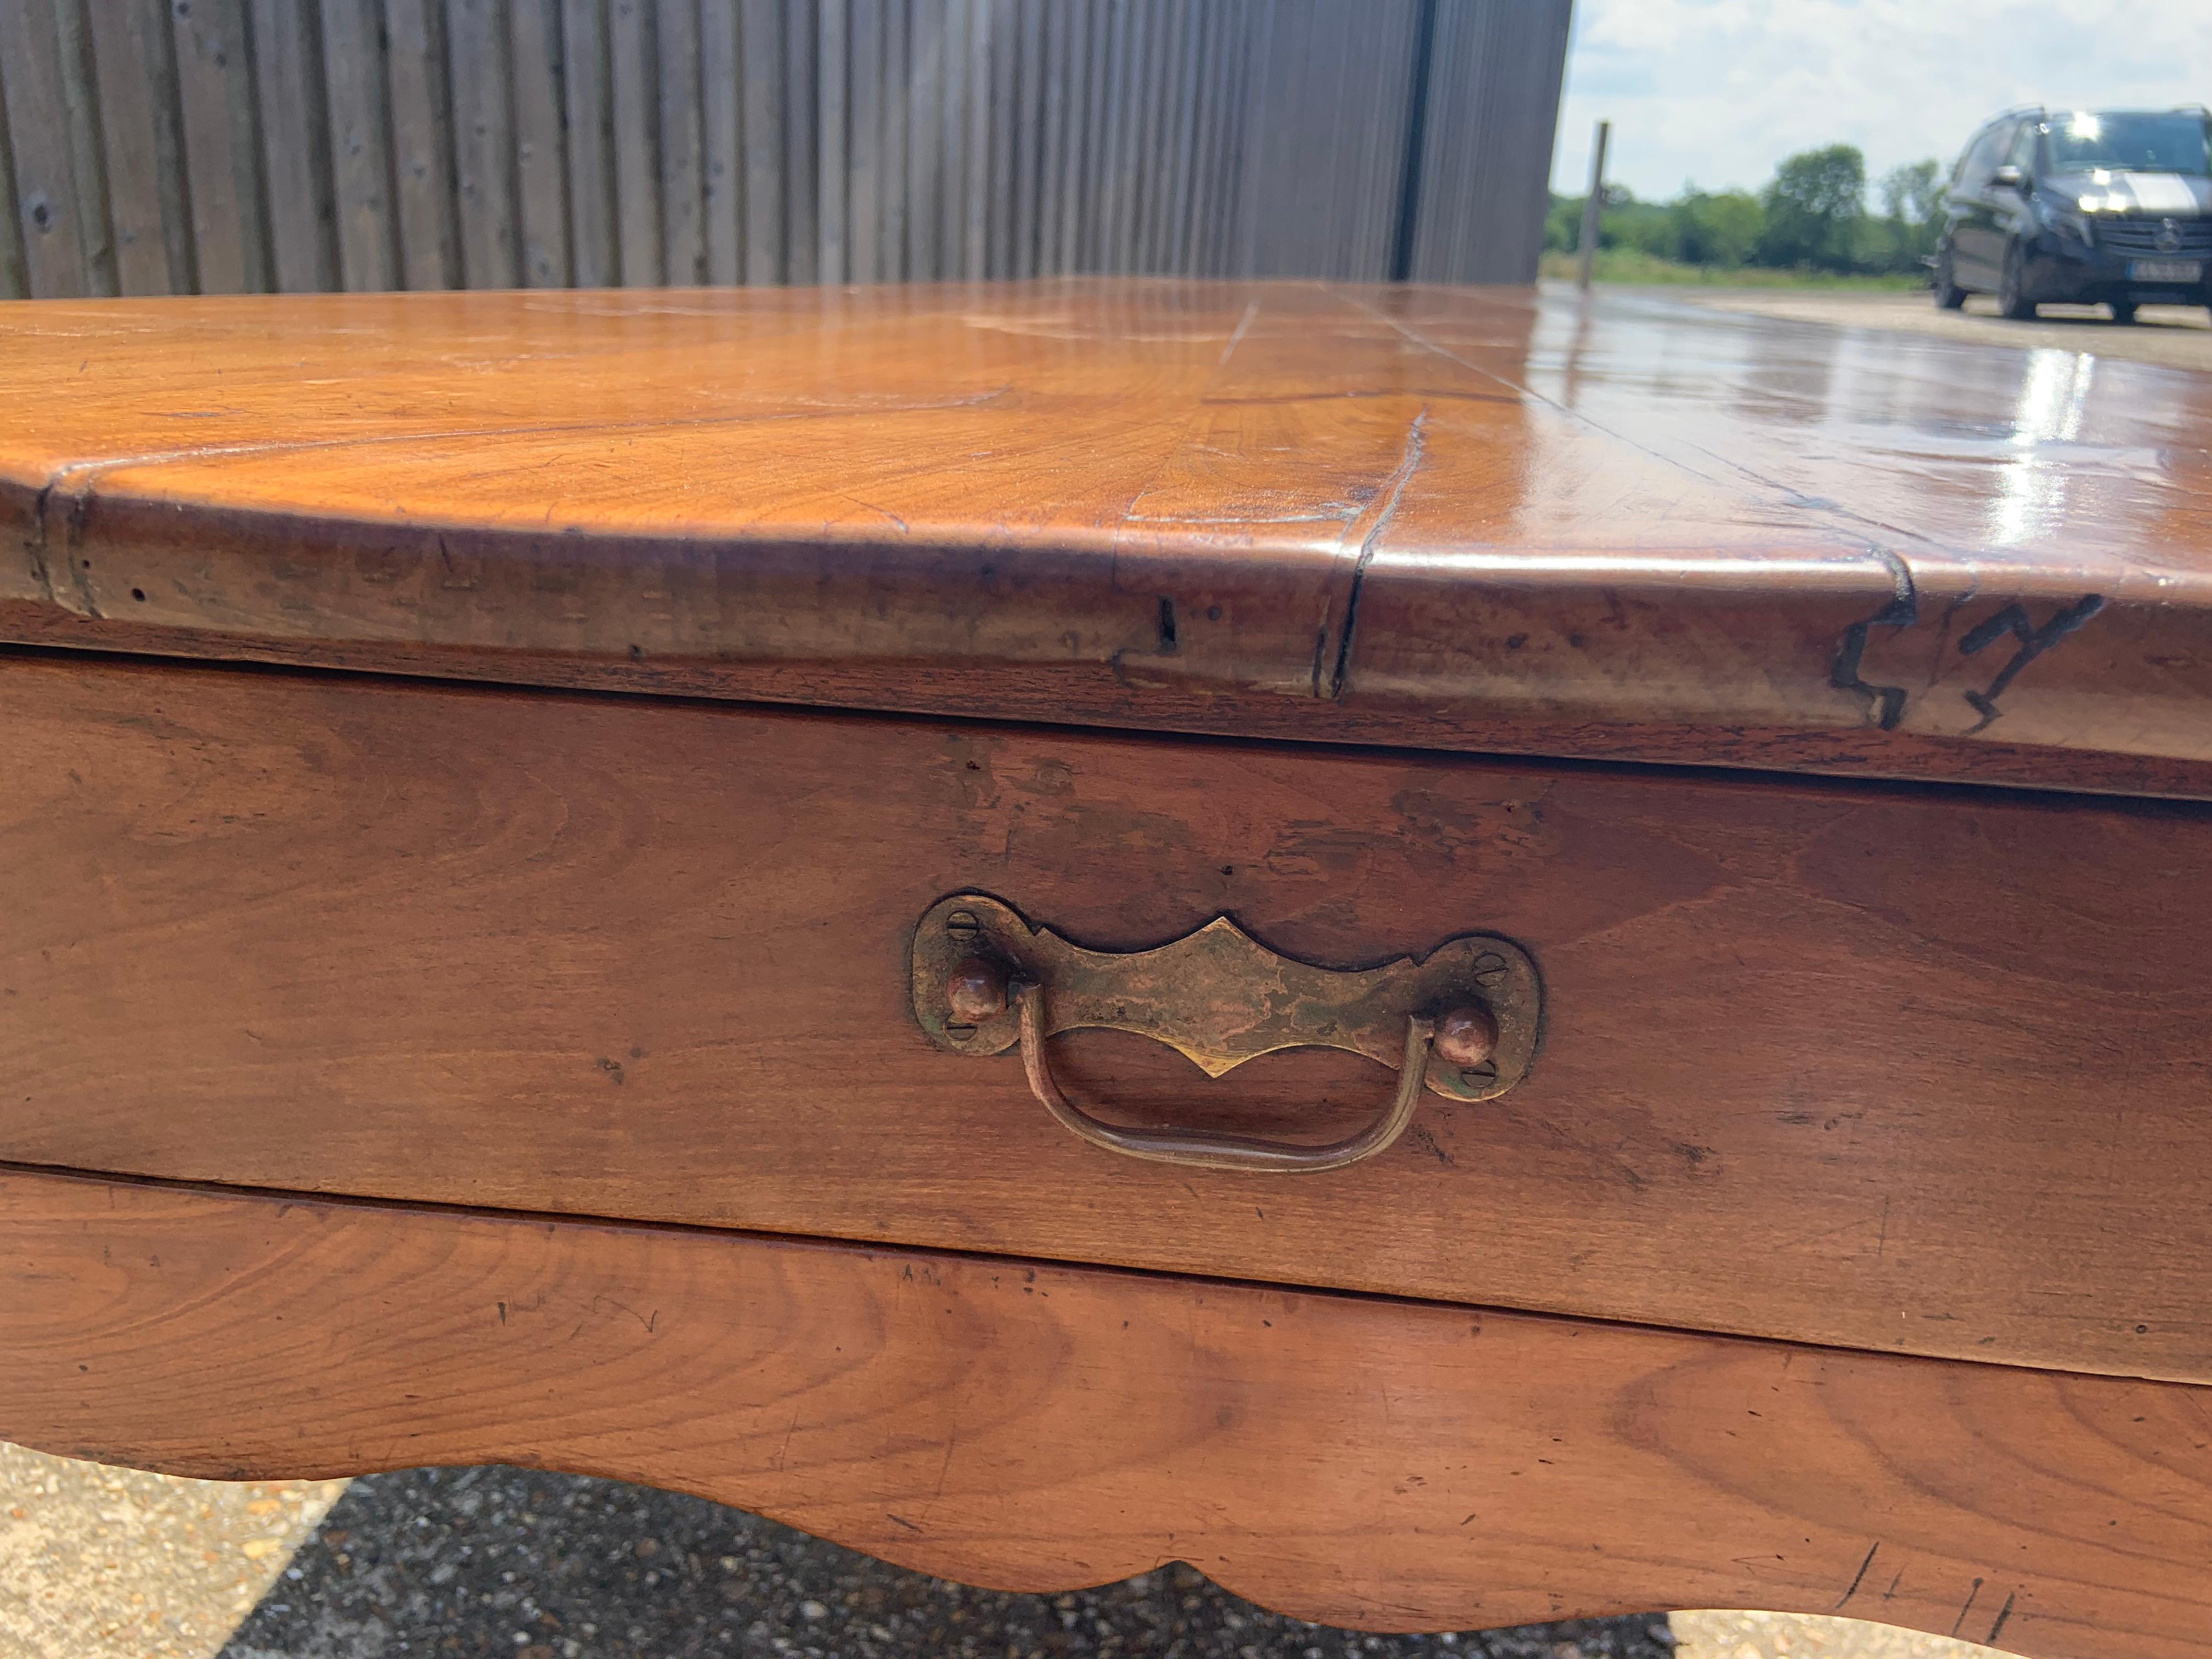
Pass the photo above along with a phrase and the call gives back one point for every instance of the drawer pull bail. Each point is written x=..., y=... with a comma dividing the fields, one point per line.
x=1459, y=1021
x=1204, y=1151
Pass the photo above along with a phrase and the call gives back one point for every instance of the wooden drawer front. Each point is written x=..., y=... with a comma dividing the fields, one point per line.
x=1864, y=1066
x=1381, y=1464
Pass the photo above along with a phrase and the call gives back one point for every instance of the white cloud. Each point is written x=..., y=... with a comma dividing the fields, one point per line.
x=1719, y=91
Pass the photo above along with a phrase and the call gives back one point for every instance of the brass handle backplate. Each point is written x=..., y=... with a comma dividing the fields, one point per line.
x=1460, y=1021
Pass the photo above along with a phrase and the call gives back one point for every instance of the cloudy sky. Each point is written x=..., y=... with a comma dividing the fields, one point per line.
x=1719, y=91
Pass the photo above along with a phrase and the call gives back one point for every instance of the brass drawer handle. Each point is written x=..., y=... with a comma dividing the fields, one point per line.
x=1223, y=1152
x=1460, y=1022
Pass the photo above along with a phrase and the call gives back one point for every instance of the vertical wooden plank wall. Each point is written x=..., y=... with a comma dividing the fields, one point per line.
x=54, y=234
x=247, y=145
x=356, y=71
x=422, y=143
x=1483, y=178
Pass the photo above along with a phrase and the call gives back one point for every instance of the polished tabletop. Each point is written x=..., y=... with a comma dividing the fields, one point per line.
x=1618, y=526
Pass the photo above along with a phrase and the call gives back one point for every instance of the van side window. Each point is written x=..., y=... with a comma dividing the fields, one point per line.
x=1982, y=160
x=2023, y=149
x=1963, y=173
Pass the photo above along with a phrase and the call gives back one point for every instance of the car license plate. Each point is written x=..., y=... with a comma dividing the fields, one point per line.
x=2165, y=271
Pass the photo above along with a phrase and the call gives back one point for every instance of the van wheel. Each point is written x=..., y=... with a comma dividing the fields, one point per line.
x=2124, y=310
x=1949, y=296
x=2010, y=299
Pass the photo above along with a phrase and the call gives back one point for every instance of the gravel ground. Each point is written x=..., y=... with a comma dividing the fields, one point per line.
x=506, y=1561
x=2174, y=336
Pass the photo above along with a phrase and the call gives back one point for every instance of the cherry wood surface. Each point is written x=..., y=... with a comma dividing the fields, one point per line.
x=1392, y=1465
x=1469, y=519
x=1886, y=1067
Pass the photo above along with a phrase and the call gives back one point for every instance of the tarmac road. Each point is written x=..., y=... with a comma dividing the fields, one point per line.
x=2175, y=337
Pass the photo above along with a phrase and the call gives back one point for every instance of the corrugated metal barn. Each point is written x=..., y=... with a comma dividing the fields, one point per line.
x=218, y=146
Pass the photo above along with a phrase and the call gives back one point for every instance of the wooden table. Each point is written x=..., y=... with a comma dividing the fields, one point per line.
x=570, y=861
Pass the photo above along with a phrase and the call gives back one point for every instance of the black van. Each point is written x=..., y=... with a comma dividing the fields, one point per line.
x=2081, y=206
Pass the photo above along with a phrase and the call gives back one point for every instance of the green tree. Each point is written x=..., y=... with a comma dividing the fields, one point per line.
x=1647, y=227
x=1913, y=193
x=1912, y=211
x=1563, y=225
x=1814, y=208
x=1812, y=214
x=1617, y=210
x=1719, y=228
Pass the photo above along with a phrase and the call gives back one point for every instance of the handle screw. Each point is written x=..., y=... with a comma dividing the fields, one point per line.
x=976, y=991
x=1467, y=1036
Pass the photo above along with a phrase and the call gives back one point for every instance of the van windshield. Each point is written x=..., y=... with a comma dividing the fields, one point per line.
x=2172, y=141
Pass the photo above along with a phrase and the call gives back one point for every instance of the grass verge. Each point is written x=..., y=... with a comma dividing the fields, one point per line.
x=1628, y=265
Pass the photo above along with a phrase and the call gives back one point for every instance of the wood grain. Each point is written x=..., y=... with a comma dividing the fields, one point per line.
x=1881, y=1067
x=1387, y=1466
x=1397, y=515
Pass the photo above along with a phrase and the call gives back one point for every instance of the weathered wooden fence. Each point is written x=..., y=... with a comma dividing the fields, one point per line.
x=215, y=146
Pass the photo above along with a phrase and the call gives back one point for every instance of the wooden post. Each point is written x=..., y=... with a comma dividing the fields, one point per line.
x=1591, y=205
